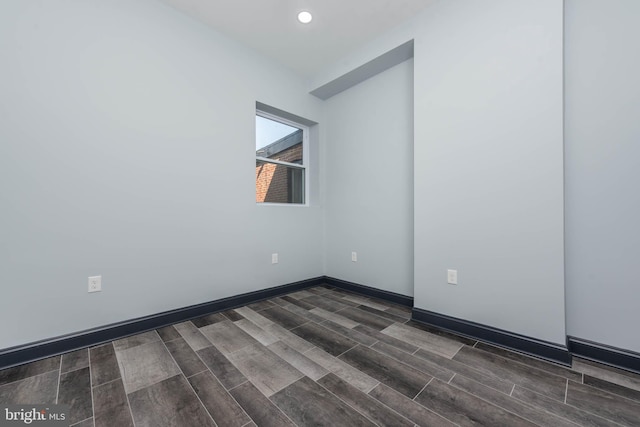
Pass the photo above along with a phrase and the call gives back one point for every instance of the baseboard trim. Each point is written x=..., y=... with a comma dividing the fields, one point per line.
x=31, y=352
x=369, y=291
x=608, y=355
x=542, y=349
x=612, y=356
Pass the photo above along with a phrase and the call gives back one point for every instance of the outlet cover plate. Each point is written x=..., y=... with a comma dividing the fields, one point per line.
x=95, y=283
x=452, y=277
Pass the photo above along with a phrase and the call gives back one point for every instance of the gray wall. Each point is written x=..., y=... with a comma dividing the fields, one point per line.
x=368, y=176
x=127, y=151
x=488, y=171
x=602, y=174
x=489, y=164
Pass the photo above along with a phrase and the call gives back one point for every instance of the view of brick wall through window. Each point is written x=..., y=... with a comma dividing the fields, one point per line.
x=279, y=183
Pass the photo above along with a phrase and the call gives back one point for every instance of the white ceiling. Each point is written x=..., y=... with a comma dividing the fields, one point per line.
x=271, y=27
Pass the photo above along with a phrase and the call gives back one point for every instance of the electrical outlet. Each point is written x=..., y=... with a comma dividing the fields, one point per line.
x=354, y=256
x=274, y=258
x=95, y=283
x=452, y=277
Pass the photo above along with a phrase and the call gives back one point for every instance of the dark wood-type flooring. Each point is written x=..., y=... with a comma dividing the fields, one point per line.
x=319, y=357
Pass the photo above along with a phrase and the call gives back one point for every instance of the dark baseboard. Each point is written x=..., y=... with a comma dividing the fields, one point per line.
x=542, y=349
x=19, y=355
x=601, y=353
x=369, y=291
x=596, y=352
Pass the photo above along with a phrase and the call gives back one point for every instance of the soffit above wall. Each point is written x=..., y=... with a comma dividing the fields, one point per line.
x=377, y=65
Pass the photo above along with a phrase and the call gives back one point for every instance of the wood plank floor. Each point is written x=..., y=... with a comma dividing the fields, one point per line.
x=319, y=357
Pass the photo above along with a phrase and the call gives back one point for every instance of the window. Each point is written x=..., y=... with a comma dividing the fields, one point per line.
x=281, y=160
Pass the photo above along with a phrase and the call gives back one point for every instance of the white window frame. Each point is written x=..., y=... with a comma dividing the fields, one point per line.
x=305, y=157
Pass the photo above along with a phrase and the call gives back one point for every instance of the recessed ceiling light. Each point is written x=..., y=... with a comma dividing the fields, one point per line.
x=305, y=17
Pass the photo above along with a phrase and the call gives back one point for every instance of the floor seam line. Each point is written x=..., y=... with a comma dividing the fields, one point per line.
x=421, y=390
x=60, y=379
x=187, y=381
x=93, y=403
x=133, y=420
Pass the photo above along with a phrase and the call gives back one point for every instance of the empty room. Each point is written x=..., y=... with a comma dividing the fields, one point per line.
x=319, y=213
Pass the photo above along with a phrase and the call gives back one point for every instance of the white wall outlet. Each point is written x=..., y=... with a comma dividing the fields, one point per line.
x=354, y=256
x=452, y=277
x=95, y=283
x=274, y=258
